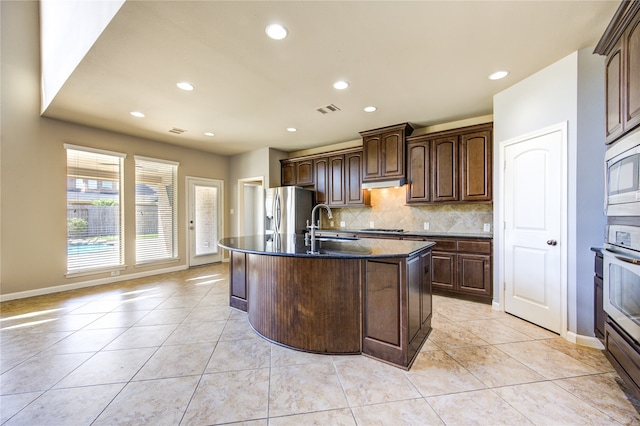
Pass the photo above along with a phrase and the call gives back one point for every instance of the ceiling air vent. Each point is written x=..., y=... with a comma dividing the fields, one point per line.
x=177, y=131
x=327, y=109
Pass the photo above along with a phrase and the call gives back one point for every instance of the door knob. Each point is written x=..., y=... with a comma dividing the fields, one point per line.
x=552, y=242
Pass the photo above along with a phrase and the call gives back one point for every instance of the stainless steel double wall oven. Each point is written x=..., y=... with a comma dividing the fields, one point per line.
x=621, y=257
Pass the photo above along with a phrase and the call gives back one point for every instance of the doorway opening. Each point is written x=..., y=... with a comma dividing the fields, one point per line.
x=251, y=206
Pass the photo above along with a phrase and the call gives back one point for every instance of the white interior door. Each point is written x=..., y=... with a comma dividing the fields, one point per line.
x=204, y=220
x=533, y=208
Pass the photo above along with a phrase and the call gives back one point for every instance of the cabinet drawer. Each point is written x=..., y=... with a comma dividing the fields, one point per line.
x=481, y=247
x=444, y=245
x=624, y=353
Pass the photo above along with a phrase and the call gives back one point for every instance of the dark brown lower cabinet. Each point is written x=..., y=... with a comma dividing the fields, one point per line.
x=380, y=307
x=238, y=281
x=462, y=267
x=599, y=316
x=397, y=308
x=624, y=354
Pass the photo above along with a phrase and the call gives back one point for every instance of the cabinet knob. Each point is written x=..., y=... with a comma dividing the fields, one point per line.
x=426, y=268
x=552, y=242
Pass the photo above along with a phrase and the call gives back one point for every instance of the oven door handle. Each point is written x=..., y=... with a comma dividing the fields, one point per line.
x=631, y=260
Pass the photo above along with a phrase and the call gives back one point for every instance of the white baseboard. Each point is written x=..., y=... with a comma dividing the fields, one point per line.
x=588, y=341
x=84, y=284
x=496, y=306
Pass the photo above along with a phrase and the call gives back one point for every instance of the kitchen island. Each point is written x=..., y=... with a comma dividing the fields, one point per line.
x=368, y=296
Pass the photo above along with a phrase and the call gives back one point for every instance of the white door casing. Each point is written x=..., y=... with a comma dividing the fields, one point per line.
x=205, y=220
x=534, y=182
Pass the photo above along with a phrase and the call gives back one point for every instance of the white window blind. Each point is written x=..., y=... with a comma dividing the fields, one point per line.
x=94, y=209
x=156, y=210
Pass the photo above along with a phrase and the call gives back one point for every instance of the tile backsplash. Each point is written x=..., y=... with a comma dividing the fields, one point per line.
x=388, y=210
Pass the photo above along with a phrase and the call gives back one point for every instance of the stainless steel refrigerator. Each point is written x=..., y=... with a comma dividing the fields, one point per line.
x=287, y=209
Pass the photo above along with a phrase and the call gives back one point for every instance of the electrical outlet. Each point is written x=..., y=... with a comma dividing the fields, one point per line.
x=371, y=225
x=231, y=211
x=115, y=273
x=342, y=224
x=331, y=223
x=206, y=243
x=426, y=226
x=487, y=227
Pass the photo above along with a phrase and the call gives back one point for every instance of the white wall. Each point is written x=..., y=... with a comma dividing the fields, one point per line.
x=570, y=90
x=68, y=30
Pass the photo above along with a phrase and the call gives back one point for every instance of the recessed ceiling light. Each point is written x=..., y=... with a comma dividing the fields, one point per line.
x=276, y=31
x=209, y=134
x=291, y=129
x=185, y=86
x=137, y=114
x=370, y=108
x=498, y=75
x=340, y=85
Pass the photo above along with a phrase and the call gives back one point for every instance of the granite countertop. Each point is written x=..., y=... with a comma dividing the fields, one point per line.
x=294, y=245
x=434, y=234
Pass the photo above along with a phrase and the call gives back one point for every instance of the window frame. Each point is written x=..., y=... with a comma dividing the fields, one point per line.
x=173, y=200
x=97, y=268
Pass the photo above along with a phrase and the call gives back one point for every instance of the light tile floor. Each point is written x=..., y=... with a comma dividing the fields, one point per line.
x=168, y=350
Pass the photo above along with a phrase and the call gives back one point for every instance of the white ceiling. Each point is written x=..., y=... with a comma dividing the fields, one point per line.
x=425, y=62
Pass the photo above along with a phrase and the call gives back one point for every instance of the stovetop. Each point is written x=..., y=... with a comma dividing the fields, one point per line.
x=381, y=230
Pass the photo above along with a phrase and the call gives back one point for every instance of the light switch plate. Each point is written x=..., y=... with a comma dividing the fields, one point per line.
x=371, y=225
x=487, y=227
x=331, y=223
x=426, y=226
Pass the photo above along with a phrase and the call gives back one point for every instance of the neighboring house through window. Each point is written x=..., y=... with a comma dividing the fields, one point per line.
x=156, y=210
x=94, y=210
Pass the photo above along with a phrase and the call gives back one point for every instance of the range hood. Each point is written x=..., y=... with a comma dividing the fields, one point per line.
x=390, y=183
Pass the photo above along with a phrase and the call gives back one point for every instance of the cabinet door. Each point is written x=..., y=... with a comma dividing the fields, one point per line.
x=304, y=172
x=474, y=274
x=632, y=69
x=443, y=270
x=392, y=154
x=321, y=169
x=336, y=181
x=238, y=287
x=372, y=151
x=599, y=314
x=475, y=154
x=414, y=297
x=288, y=173
x=613, y=86
x=444, y=169
x=426, y=306
x=353, y=180
x=418, y=172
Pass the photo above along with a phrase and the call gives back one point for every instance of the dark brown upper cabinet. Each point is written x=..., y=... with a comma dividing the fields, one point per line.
x=384, y=152
x=321, y=167
x=444, y=164
x=336, y=180
x=475, y=162
x=304, y=172
x=621, y=45
x=450, y=166
x=288, y=173
x=418, y=172
x=336, y=177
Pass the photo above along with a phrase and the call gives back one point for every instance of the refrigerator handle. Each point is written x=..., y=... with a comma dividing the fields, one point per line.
x=277, y=214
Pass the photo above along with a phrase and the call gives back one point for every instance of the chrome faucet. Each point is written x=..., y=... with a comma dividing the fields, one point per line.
x=313, y=225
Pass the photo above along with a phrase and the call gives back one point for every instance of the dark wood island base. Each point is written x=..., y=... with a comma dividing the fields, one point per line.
x=337, y=304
